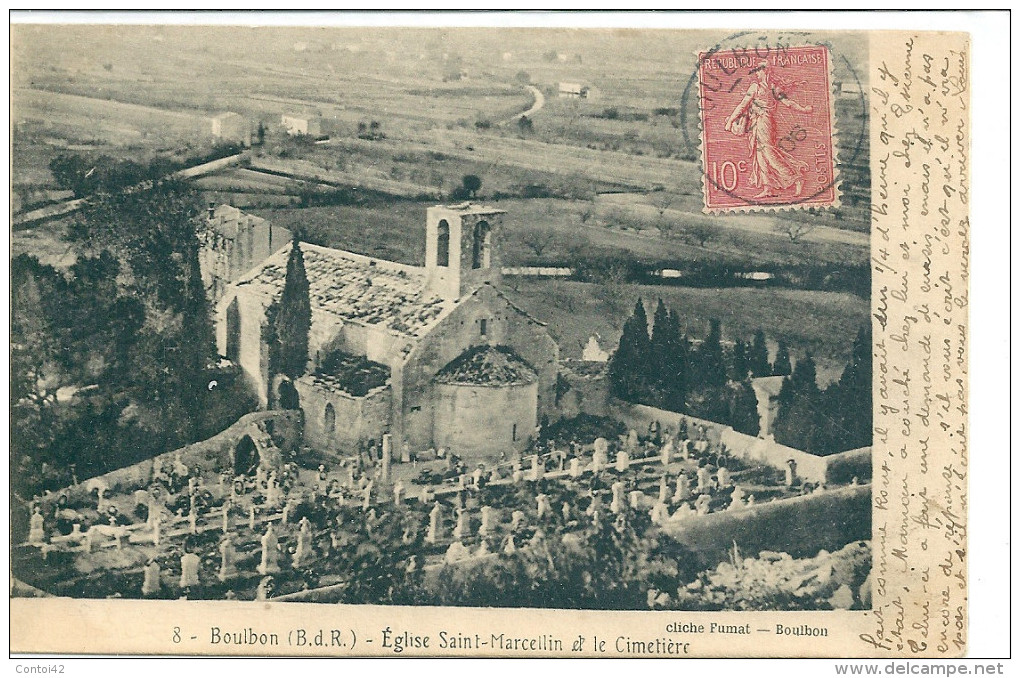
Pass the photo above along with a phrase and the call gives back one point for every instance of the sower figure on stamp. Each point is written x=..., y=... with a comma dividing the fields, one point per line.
x=772, y=168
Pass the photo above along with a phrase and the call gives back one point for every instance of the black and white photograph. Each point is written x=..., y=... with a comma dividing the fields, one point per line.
x=466, y=317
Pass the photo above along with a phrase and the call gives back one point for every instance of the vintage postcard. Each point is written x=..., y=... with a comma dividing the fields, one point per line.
x=512, y=342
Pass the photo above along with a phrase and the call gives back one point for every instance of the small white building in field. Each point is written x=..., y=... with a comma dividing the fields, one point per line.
x=231, y=127
x=576, y=90
x=302, y=124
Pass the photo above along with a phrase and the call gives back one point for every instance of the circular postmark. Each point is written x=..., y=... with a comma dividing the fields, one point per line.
x=759, y=112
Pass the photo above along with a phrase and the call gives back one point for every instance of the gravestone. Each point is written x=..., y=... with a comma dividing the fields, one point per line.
x=270, y=552
x=636, y=498
x=701, y=504
x=488, y=522
x=36, y=529
x=432, y=536
x=617, y=504
x=228, y=560
x=150, y=578
x=682, y=512
x=251, y=517
x=462, y=529
x=304, y=552
x=791, y=473
x=516, y=520
x=683, y=488
x=537, y=468
x=622, y=461
x=265, y=589
x=723, y=477
x=704, y=479
x=509, y=548
x=632, y=441
x=566, y=511
x=575, y=468
x=190, y=564
x=667, y=452
x=659, y=513
x=736, y=498
x=398, y=493
x=663, y=489
x=543, y=507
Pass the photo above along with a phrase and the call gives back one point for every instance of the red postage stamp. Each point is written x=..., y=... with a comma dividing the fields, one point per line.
x=768, y=137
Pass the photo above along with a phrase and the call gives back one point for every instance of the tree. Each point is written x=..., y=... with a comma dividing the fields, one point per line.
x=261, y=133
x=794, y=230
x=744, y=416
x=289, y=319
x=701, y=232
x=710, y=368
x=739, y=366
x=799, y=417
x=628, y=368
x=472, y=183
x=524, y=124
x=782, y=367
x=758, y=356
x=537, y=239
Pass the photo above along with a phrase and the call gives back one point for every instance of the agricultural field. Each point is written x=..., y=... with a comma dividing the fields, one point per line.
x=822, y=323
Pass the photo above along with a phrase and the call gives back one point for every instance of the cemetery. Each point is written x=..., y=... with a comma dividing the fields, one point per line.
x=293, y=525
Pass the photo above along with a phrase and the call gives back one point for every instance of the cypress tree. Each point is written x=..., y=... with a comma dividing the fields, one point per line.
x=711, y=366
x=289, y=320
x=662, y=354
x=744, y=409
x=739, y=367
x=678, y=368
x=782, y=366
x=758, y=356
x=629, y=366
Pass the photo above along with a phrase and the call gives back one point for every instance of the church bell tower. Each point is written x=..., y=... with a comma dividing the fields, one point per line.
x=461, y=251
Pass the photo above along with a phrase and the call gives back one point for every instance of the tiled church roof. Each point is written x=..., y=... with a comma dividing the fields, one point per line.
x=355, y=288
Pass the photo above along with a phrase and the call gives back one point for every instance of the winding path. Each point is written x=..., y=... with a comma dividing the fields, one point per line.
x=535, y=107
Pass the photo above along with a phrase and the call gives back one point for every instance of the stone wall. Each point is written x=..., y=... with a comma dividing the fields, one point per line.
x=480, y=422
x=810, y=467
x=587, y=393
x=800, y=526
x=355, y=419
x=216, y=453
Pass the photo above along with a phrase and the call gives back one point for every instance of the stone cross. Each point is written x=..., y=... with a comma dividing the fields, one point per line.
x=270, y=554
x=228, y=558
x=36, y=529
x=101, y=499
x=190, y=564
x=150, y=578
x=304, y=551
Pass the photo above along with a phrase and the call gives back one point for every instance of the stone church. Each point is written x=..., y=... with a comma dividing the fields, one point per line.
x=436, y=356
